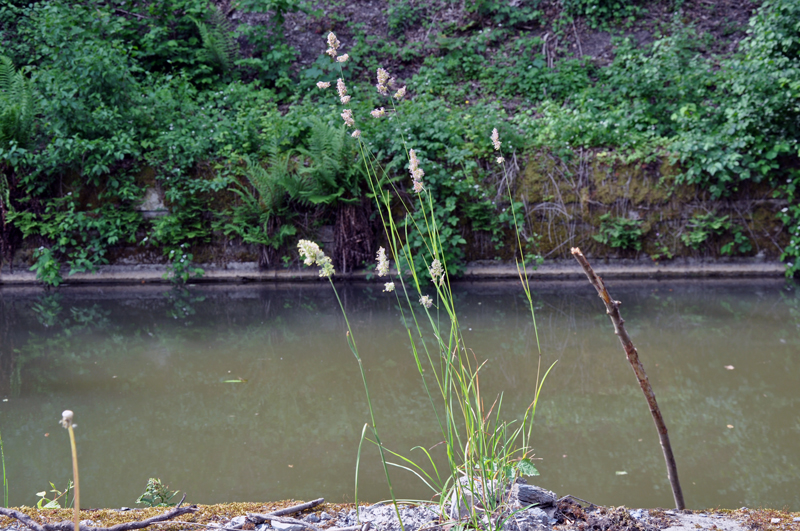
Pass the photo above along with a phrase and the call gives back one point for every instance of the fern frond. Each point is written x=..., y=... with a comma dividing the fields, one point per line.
x=269, y=182
x=4, y=192
x=16, y=105
x=7, y=72
x=219, y=46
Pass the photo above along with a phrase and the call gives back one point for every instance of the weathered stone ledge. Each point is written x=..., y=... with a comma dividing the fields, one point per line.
x=550, y=270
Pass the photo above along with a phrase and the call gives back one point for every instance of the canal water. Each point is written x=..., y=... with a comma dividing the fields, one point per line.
x=250, y=393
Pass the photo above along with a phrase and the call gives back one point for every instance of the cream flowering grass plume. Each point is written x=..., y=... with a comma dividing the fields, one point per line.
x=389, y=286
x=323, y=84
x=333, y=45
x=383, y=78
x=312, y=254
x=377, y=113
x=437, y=272
x=400, y=94
x=416, y=172
x=342, y=89
x=342, y=58
x=496, y=143
x=426, y=301
x=383, y=262
x=496, y=139
x=347, y=116
x=356, y=133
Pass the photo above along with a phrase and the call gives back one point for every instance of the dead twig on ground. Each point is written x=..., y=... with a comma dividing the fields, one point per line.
x=612, y=309
x=277, y=515
x=67, y=525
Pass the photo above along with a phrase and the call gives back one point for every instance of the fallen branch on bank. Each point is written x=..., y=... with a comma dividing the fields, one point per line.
x=278, y=516
x=294, y=508
x=612, y=309
x=67, y=525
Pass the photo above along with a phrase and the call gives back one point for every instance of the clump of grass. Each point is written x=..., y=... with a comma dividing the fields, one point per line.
x=484, y=452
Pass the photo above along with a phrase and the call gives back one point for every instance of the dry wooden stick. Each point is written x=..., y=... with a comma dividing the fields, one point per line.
x=70, y=526
x=298, y=508
x=612, y=309
x=259, y=518
x=363, y=527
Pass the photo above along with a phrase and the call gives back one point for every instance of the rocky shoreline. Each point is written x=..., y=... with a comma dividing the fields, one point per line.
x=551, y=514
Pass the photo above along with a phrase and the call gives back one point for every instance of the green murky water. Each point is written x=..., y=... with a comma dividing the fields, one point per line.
x=145, y=371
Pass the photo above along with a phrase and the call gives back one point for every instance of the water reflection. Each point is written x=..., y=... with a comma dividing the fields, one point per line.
x=250, y=393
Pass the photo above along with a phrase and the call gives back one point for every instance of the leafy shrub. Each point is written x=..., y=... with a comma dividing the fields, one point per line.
x=403, y=15
x=620, y=233
x=702, y=227
x=597, y=12
x=79, y=237
x=156, y=494
x=790, y=216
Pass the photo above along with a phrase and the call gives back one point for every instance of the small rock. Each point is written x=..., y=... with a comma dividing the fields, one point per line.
x=237, y=522
x=532, y=495
x=313, y=518
x=384, y=517
x=124, y=509
x=775, y=521
x=324, y=516
x=87, y=523
x=280, y=526
x=472, y=491
x=263, y=527
x=533, y=519
x=796, y=519
x=639, y=514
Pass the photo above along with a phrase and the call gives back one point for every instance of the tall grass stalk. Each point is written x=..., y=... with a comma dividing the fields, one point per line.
x=5, y=479
x=484, y=452
x=66, y=422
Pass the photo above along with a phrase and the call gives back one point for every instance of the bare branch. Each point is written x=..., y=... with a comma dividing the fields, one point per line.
x=612, y=309
x=67, y=525
x=22, y=517
x=298, y=508
x=259, y=518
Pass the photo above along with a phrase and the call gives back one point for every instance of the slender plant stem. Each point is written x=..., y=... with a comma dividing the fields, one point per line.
x=77, y=498
x=5, y=479
x=612, y=309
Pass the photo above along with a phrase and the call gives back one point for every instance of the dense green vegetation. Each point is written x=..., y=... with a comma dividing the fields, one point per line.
x=101, y=100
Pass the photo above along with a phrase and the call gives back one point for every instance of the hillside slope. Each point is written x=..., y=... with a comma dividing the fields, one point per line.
x=183, y=132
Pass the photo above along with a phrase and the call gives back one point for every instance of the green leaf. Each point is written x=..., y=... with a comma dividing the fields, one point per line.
x=526, y=468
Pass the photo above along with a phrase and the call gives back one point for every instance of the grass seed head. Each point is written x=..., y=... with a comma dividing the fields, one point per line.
x=66, y=419
x=347, y=116
x=333, y=45
x=383, y=262
x=496, y=139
